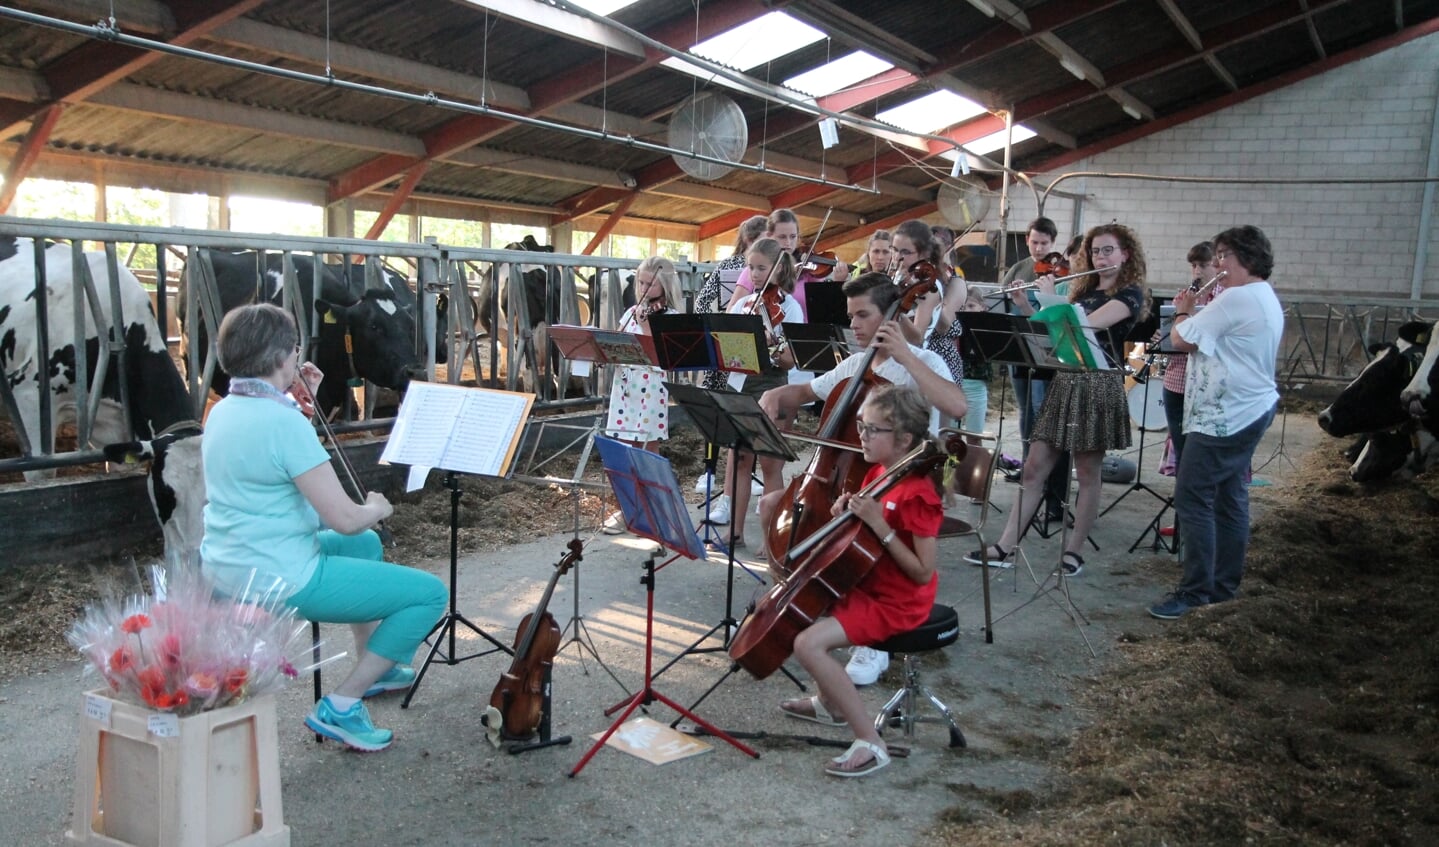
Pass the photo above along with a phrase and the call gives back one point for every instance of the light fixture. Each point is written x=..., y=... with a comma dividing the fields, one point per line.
x=828, y=132
x=1132, y=112
x=983, y=7
x=1064, y=62
x=960, y=166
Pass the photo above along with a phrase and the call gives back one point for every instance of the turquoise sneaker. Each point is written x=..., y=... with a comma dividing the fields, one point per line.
x=397, y=678
x=352, y=728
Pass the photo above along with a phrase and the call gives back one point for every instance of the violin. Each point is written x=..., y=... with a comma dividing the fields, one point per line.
x=831, y=562
x=1054, y=263
x=818, y=264
x=768, y=304
x=518, y=703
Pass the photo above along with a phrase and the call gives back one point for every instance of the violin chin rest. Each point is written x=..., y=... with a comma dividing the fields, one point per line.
x=493, y=721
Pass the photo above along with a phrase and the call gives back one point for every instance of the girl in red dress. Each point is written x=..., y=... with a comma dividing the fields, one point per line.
x=897, y=594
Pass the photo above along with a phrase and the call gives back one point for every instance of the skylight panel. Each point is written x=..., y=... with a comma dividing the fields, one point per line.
x=604, y=7
x=931, y=112
x=995, y=140
x=761, y=40
x=838, y=74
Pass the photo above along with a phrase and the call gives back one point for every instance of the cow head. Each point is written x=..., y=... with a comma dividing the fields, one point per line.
x=399, y=286
x=372, y=339
x=1371, y=402
x=1377, y=455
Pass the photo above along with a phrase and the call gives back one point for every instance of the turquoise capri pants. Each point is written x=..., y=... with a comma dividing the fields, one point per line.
x=353, y=585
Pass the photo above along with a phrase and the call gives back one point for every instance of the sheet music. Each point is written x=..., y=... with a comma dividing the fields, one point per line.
x=470, y=430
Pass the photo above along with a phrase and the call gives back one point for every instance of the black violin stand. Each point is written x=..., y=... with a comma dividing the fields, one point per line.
x=1165, y=503
x=447, y=625
x=734, y=420
x=543, y=736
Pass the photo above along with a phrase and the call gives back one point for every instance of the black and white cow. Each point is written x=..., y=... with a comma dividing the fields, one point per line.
x=176, y=484
x=404, y=295
x=157, y=396
x=1372, y=405
x=364, y=334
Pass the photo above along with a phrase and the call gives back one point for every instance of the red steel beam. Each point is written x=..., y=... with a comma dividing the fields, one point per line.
x=608, y=226
x=27, y=154
x=407, y=187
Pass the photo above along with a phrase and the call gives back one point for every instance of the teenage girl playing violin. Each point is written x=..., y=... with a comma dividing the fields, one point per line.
x=898, y=593
x=765, y=261
x=784, y=228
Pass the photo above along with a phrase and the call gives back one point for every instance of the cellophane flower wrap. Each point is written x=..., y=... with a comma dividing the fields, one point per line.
x=184, y=648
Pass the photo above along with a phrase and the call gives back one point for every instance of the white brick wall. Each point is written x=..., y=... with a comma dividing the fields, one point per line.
x=1370, y=118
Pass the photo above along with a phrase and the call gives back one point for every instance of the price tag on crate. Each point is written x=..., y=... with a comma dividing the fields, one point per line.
x=97, y=709
x=164, y=725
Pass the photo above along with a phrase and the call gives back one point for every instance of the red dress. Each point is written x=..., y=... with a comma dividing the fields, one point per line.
x=886, y=602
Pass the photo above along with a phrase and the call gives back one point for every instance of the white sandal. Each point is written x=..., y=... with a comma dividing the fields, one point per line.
x=821, y=715
x=880, y=759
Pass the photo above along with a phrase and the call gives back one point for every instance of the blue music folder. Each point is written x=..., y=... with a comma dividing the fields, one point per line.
x=650, y=496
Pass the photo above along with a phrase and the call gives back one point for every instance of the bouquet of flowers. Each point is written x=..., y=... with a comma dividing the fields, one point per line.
x=183, y=648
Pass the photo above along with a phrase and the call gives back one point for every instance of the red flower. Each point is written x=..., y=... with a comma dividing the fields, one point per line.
x=170, y=651
x=152, y=683
x=235, y=680
x=135, y=623
x=122, y=659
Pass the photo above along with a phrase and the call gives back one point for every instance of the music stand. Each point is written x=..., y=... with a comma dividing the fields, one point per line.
x=459, y=430
x=735, y=421
x=1155, y=330
x=825, y=303
x=708, y=342
x=649, y=495
x=1055, y=344
x=817, y=347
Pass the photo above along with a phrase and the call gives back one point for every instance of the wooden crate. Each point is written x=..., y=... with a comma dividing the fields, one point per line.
x=215, y=782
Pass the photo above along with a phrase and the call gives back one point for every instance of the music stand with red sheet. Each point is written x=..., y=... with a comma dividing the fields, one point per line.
x=650, y=498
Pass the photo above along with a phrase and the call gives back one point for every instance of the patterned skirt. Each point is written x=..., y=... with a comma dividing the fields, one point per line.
x=1084, y=411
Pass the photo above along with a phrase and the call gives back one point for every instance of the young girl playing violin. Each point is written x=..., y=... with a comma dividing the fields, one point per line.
x=896, y=596
x=639, y=401
x=784, y=228
x=769, y=263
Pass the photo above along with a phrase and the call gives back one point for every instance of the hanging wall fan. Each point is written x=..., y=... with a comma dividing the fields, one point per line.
x=710, y=125
x=963, y=201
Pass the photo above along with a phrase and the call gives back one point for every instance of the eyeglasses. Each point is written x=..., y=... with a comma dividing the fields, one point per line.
x=299, y=351
x=906, y=252
x=867, y=430
x=1106, y=250
x=1220, y=255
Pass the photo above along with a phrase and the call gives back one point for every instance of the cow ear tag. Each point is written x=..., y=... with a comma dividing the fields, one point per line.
x=330, y=318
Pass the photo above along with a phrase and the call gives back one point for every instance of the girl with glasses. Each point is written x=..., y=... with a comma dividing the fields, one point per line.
x=1085, y=413
x=897, y=594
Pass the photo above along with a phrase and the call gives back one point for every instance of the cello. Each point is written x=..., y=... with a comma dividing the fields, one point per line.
x=518, y=703
x=830, y=563
x=837, y=466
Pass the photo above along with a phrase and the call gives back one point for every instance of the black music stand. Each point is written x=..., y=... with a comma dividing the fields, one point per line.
x=817, y=347
x=1155, y=330
x=1017, y=340
x=825, y=303
x=708, y=342
x=735, y=421
x=452, y=619
x=650, y=499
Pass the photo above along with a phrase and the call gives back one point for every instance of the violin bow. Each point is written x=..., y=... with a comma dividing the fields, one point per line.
x=386, y=537
x=814, y=242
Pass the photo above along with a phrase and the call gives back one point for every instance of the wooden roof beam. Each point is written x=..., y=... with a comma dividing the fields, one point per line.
x=95, y=65
x=603, y=231
x=28, y=153
x=563, y=88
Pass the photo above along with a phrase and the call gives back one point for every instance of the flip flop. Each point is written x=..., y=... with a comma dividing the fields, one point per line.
x=880, y=759
x=818, y=715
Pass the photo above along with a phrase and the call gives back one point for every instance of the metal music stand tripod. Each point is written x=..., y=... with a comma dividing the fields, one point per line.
x=649, y=496
x=1057, y=346
x=449, y=623
x=1146, y=377
x=736, y=421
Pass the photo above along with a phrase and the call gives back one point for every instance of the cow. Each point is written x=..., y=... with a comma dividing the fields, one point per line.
x=156, y=393
x=1416, y=395
x=1371, y=402
x=399, y=285
x=1372, y=405
x=176, y=484
x=363, y=334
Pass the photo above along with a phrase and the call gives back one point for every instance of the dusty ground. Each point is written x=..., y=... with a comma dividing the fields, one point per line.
x=1304, y=713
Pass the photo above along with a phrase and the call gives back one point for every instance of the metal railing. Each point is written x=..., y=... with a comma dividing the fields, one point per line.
x=579, y=289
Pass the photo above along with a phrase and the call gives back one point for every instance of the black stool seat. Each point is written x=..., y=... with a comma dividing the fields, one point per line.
x=941, y=630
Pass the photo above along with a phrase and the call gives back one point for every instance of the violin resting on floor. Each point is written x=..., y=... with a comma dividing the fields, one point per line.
x=517, y=705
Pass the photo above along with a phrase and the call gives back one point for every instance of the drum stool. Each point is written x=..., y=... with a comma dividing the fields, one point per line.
x=941, y=630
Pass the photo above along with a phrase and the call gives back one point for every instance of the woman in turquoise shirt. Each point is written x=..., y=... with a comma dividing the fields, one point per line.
x=277, y=521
